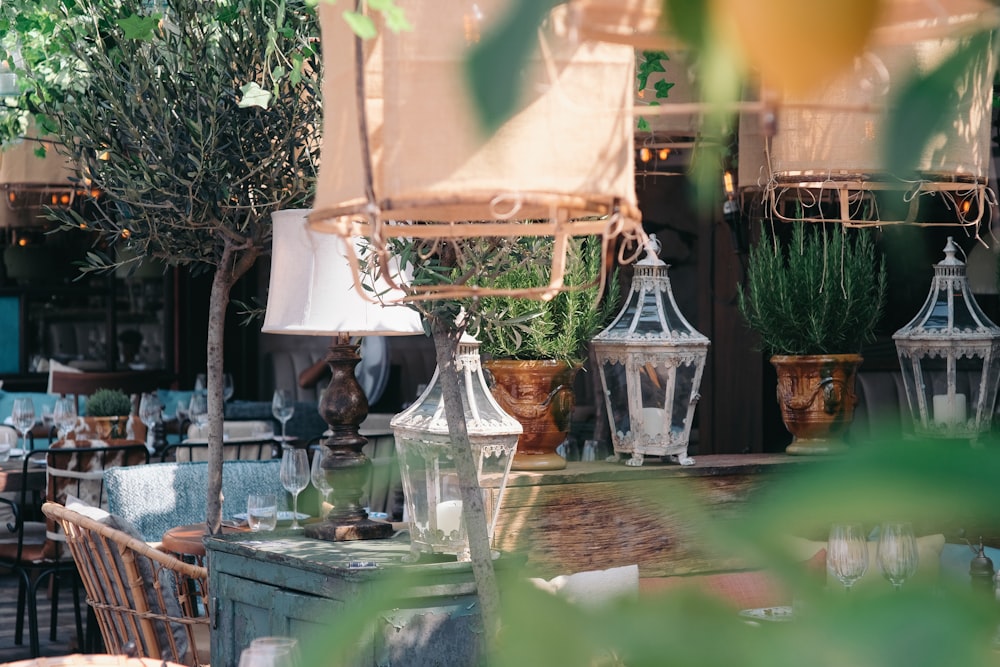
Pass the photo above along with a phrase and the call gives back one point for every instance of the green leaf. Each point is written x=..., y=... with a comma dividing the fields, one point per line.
x=362, y=26
x=396, y=21
x=254, y=96
x=643, y=125
x=493, y=70
x=139, y=27
x=926, y=105
x=662, y=89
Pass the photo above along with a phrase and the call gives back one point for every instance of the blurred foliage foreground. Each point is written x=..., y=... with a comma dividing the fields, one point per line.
x=939, y=486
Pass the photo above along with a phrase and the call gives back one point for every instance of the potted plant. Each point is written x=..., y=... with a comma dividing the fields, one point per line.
x=814, y=301
x=109, y=415
x=535, y=348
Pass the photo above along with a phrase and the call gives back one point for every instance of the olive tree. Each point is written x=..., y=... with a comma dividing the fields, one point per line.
x=194, y=120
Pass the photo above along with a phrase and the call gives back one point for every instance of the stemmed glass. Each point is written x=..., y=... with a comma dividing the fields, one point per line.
x=847, y=553
x=198, y=409
x=282, y=407
x=897, y=552
x=150, y=410
x=319, y=479
x=295, y=478
x=64, y=416
x=23, y=417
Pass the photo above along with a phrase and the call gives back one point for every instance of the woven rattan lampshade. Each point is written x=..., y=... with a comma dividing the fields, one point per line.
x=827, y=147
x=418, y=165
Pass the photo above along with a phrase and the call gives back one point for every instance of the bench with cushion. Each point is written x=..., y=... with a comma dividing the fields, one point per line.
x=160, y=496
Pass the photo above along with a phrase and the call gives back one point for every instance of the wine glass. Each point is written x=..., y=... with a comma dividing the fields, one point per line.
x=150, y=410
x=294, y=477
x=897, y=552
x=23, y=417
x=228, y=388
x=847, y=553
x=64, y=416
x=200, y=383
x=198, y=409
x=319, y=478
x=282, y=407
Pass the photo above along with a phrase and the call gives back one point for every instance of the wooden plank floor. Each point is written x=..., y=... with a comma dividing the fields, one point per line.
x=65, y=634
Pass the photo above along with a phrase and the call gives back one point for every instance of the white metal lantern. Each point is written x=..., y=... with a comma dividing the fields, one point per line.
x=949, y=357
x=431, y=488
x=650, y=360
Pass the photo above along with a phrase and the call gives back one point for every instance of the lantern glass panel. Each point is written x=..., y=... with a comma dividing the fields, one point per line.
x=616, y=395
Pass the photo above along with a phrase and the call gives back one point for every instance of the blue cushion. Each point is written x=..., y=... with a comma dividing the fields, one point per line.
x=158, y=496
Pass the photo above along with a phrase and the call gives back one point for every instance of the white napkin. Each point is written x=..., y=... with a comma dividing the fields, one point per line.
x=594, y=588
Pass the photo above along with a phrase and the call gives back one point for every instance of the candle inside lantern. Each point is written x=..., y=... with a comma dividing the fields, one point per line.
x=652, y=421
x=449, y=516
x=948, y=411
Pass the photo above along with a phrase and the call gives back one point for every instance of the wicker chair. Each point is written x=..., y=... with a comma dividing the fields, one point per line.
x=138, y=593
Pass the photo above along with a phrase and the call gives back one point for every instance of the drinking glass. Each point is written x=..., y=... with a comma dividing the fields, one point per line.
x=847, y=553
x=319, y=478
x=200, y=383
x=282, y=407
x=294, y=477
x=23, y=417
x=262, y=511
x=64, y=416
x=260, y=656
x=228, y=388
x=284, y=649
x=897, y=552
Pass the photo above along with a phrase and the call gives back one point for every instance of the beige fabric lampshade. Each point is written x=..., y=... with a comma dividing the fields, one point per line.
x=640, y=23
x=569, y=146
x=827, y=134
x=312, y=287
x=20, y=166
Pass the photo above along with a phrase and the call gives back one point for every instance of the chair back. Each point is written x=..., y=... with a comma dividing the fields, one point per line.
x=159, y=496
x=79, y=472
x=138, y=594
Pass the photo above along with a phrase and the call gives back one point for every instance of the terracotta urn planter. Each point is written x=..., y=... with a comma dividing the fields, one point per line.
x=817, y=399
x=538, y=394
x=111, y=428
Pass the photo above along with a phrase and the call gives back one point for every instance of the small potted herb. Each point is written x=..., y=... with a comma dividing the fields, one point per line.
x=108, y=412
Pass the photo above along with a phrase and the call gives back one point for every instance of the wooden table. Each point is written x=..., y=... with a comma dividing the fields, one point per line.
x=283, y=583
x=13, y=478
x=189, y=540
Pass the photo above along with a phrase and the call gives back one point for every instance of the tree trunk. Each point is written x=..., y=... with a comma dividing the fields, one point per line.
x=473, y=511
x=235, y=262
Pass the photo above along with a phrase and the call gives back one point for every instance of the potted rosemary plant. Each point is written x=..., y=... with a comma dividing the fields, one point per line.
x=814, y=301
x=535, y=348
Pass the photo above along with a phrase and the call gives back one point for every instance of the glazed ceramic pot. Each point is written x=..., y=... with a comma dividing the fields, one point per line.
x=538, y=394
x=817, y=399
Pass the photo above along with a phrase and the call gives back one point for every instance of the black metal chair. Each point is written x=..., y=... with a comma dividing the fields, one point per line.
x=36, y=551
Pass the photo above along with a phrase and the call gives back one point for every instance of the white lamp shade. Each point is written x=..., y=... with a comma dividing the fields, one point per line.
x=312, y=288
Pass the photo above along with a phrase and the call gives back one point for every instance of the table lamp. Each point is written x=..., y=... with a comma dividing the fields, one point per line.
x=312, y=292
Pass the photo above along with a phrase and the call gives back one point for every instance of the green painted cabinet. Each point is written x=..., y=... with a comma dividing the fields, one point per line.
x=287, y=584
